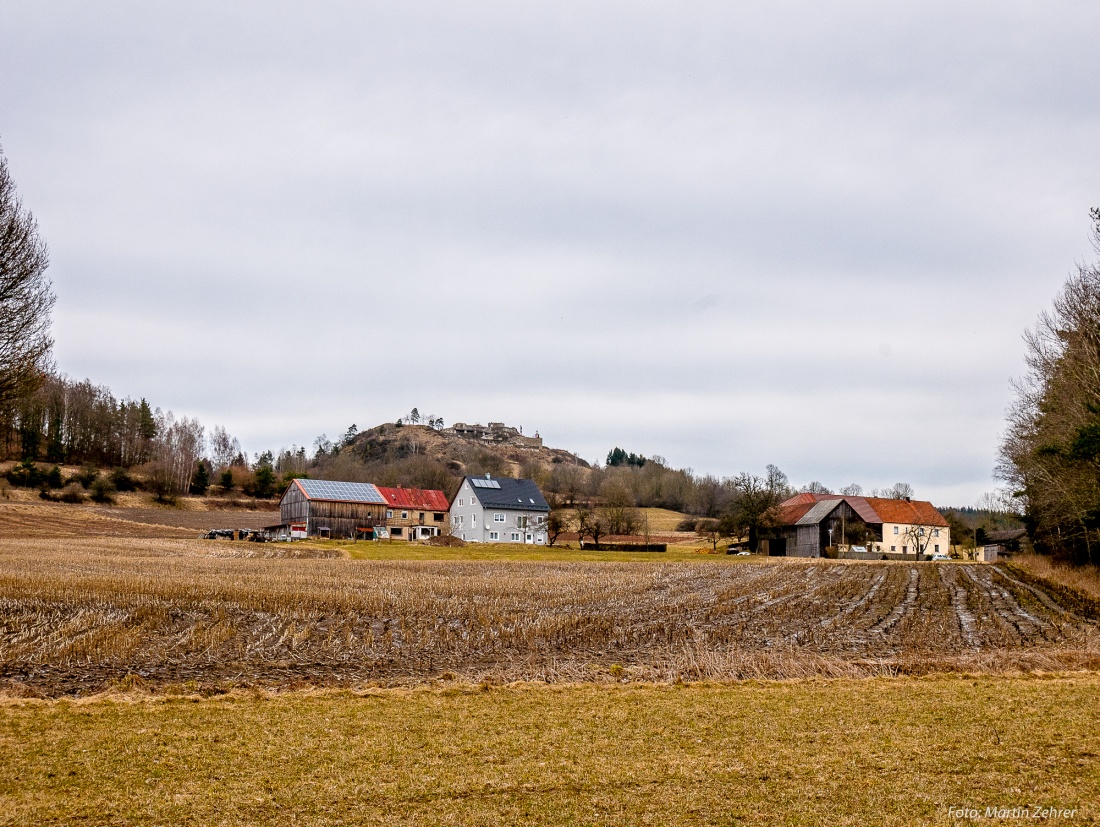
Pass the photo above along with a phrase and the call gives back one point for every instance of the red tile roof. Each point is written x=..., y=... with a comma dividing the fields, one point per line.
x=907, y=512
x=419, y=498
x=911, y=512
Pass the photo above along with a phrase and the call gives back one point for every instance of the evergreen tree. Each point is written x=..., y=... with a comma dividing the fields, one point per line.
x=147, y=423
x=263, y=485
x=201, y=480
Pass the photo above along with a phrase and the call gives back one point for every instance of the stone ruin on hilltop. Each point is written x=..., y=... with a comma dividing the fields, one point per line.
x=495, y=432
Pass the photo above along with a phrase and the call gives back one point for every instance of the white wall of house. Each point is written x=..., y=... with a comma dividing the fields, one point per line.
x=905, y=538
x=474, y=523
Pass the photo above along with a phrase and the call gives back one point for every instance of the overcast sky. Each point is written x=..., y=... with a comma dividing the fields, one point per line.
x=801, y=233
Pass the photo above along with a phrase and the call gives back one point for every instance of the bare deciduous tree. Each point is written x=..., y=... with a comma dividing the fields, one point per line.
x=223, y=448
x=180, y=445
x=26, y=298
x=617, y=508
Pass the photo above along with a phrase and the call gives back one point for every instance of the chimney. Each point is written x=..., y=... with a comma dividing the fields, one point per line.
x=487, y=476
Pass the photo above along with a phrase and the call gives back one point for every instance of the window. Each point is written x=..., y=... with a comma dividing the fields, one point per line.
x=473, y=519
x=542, y=520
x=396, y=531
x=494, y=535
x=893, y=548
x=936, y=533
x=460, y=502
x=905, y=549
x=404, y=515
x=937, y=548
x=515, y=536
x=438, y=515
x=895, y=529
x=389, y=514
x=498, y=518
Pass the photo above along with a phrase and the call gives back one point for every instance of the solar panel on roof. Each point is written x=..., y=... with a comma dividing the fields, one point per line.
x=360, y=492
x=480, y=483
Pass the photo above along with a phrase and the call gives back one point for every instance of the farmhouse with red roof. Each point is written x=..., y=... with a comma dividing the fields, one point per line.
x=807, y=524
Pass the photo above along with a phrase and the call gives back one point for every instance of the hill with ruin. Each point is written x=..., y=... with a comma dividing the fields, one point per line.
x=464, y=449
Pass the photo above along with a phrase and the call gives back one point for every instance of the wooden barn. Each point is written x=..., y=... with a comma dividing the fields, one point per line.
x=323, y=508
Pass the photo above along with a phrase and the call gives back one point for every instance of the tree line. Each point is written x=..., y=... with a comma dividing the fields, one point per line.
x=1050, y=455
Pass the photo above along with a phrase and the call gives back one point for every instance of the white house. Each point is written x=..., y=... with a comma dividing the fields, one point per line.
x=499, y=510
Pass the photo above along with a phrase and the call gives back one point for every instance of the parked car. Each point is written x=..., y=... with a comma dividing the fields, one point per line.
x=940, y=556
x=743, y=554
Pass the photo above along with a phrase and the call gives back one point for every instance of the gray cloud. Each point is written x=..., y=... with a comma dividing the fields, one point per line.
x=796, y=233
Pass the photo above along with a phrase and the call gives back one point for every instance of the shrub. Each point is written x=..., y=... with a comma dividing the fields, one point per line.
x=85, y=476
x=72, y=493
x=53, y=478
x=122, y=481
x=687, y=524
x=26, y=475
x=103, y=491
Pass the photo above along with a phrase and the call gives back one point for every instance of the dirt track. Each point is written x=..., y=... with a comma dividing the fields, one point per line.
x=75, y=618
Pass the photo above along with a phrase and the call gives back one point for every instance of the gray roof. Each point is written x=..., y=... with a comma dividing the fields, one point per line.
x=1006, y=536
x=517, y=494
x=345, y=492
x=819, y=512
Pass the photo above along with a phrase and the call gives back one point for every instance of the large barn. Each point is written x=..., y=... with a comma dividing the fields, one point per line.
x=809, y=524
x=323, y=508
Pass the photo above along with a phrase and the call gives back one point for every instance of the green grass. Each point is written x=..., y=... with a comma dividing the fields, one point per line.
x=399, y=550
x=882, y=751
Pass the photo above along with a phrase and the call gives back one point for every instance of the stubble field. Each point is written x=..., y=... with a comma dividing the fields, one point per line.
x=79, y=616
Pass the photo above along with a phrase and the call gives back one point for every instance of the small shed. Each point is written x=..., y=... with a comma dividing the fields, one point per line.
x=1011, y=541
x=987, y=554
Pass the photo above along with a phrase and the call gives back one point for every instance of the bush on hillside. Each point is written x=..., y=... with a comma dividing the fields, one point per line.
x=103, y=491
x=122, y=481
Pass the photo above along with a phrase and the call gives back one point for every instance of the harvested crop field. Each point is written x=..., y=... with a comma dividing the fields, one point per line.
x=29, y=520
x=193, y=519
x=78, y=617
x=42, y=519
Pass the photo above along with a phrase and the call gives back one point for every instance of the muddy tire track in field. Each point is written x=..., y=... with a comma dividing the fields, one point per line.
x=912, y=590
x=1025, y=625
x=967, y=623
